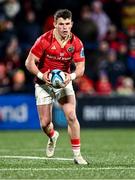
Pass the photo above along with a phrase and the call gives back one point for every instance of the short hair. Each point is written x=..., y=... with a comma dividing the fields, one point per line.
x=63, y=13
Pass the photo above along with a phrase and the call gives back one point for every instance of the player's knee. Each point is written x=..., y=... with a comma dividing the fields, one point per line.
x=71, y=117
x=44, y=121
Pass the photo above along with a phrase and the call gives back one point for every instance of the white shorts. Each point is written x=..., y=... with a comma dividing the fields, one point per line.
x=46, y=94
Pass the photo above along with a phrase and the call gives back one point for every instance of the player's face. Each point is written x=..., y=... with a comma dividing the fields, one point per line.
x=63, y=26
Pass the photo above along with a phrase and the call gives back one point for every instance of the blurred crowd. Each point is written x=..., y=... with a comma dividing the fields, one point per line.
x=106, y=27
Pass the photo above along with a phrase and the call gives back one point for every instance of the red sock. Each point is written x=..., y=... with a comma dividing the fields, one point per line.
x=51, y=133
x=75, y=146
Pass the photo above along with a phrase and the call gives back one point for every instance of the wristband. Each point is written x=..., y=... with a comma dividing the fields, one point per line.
x=40, y=75
x=73, y=76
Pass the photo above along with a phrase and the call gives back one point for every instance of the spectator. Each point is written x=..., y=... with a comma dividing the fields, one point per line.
x=18, y=82
x=131, y=51
x=84, y=85
x=12, y=8
x=94, y=59
x=12, y=55
x=4, y=80
x=28, y=31
x=86, y=28
x=125, y=86
x=102, y=51
x=123, y=53
x=114, y=10
x=114, y=37
x=113, y=67
x=103, y=86
x=7, y=31
x=101, y=19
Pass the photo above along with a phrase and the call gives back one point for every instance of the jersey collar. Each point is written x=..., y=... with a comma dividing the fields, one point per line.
x=61, y=41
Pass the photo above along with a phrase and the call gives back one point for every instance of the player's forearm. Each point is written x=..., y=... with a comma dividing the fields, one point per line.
x=80, y=67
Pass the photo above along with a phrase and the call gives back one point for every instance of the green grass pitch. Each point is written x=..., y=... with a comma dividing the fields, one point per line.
x=111, y=153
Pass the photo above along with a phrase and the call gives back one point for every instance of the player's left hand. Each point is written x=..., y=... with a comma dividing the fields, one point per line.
x=67, y=79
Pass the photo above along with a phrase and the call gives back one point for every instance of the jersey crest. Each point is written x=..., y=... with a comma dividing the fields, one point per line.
x=71, y=49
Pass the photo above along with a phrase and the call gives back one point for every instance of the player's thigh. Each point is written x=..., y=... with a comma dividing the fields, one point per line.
x=44, y=101
x=68, y=104
x=43, y=94
x=45, y=113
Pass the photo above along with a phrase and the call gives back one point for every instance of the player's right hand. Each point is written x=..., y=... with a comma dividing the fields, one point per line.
x=46, y=77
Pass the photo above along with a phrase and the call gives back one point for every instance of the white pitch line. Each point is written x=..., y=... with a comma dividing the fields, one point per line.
x=35, y=158
x=34, y=150
x=22, y=150
x=68, y=169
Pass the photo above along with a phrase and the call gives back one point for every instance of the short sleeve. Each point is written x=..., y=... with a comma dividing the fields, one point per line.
x=38, y=49
x=79, y=52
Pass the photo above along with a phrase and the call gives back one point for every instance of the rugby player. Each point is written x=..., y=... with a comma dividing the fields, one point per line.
x=57, y=49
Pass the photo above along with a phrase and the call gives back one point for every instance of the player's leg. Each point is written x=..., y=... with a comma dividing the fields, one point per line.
x=68, y=104
x=44, y=107
x=45, y=116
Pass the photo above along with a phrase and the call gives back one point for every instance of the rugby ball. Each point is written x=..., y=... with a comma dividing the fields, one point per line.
x=57, y=78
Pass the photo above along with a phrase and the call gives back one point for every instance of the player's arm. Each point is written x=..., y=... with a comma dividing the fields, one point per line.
x=79, y=60
x=31, y=66
x=79, y=71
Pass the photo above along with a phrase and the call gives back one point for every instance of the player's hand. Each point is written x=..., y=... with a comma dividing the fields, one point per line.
x=46, y=77
x=67, y=79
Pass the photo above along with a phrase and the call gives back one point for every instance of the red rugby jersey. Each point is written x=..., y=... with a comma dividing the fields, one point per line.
x=52, y=56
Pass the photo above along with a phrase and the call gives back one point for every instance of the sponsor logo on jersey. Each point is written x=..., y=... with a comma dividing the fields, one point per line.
x=58, y=58
x=82, y=52
x=71, y=49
